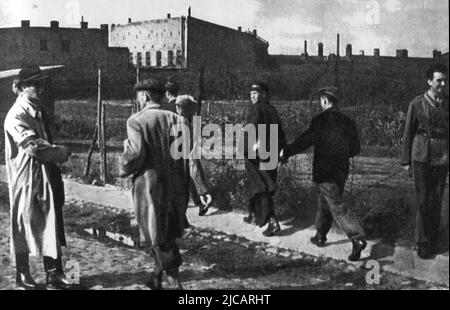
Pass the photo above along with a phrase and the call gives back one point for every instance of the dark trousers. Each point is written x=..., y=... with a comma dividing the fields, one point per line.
x=331, y=207
x=50, y=264
x=430, y=186
x=167, y=258
x=263, y=207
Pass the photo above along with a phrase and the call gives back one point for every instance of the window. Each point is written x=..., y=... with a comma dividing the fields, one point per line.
x=147, y=59
x=171, y=34
x=66, y=46
x=139, y=59
x=43, y=45
x=158, y=58
x=179, y=58
x=170, y=58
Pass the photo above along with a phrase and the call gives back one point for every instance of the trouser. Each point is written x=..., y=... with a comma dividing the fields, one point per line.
x=430, y=186
x=193, y=194
x=167, y=258
x=263, y=207
x=331, y=207
x=50, y=264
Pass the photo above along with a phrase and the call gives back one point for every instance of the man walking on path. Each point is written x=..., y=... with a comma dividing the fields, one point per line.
x=425, y=150
x=36, y=189
x=262, y=181
x=335, y=140
x=160, y=182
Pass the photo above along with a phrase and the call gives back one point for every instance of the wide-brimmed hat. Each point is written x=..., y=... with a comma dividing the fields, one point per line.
x=31, y=74
x=153, y=85
x=331, y=91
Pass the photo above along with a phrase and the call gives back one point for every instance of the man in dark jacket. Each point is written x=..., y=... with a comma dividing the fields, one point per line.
x=425, y=148
x=335, y=140
x=261, y=179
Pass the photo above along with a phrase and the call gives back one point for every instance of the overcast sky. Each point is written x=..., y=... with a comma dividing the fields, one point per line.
x=418, y=25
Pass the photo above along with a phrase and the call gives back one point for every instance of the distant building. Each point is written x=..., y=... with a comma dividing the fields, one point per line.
x=187, y=42
x=81, y=50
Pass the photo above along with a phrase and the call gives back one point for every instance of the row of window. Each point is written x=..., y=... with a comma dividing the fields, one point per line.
x=157, y=34
x=171, y=60
x=43, y=46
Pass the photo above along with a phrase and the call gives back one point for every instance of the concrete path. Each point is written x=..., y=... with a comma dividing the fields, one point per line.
x=397, y=260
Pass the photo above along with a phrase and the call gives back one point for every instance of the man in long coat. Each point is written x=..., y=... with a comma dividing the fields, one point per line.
x=335, y=140
x=262, y=180
x=160, y=182
x=425, y=149
x=36, y=189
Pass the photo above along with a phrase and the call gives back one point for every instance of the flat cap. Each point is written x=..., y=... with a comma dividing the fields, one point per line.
x=259, y=86
x=150, y=85
x=330, y=91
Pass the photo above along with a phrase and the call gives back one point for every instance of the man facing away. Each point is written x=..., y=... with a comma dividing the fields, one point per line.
x=36, y=189
x=262, y=181
x=335, y=140
x=186, y=106
x=425, y=149
x=160, y=182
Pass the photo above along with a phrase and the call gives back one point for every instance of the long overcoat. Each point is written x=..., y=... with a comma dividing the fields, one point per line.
x=160, y=181
x=36, y=189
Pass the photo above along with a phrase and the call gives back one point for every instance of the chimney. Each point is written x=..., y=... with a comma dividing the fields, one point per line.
x=54, y=24
x=320, y=52
x=240, y=29
x=306, y=48
x=437, y=54
x=402, y=53
x=25, y=24
x=129, y=20
x=338, y=46
x=168, y=15
x=376, y=52
x=189, y=12
x=349, y=50
x=104, y=27
x=83, y=24
x=361, y=53
x=255, y=32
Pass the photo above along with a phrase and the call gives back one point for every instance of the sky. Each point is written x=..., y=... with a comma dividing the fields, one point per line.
x=417, y=25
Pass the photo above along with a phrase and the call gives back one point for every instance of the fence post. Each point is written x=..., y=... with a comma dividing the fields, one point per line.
x=200, y=90
x=101, y=129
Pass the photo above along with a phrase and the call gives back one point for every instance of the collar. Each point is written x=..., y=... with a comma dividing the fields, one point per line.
x=28, y=106
x=152, y=105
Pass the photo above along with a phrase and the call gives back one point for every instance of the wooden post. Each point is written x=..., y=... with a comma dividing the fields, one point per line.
x=91, y=149
x=200, y=90
x=138, y=78
x=101, y=129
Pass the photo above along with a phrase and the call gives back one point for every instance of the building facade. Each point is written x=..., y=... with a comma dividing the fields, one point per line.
x=190, y=43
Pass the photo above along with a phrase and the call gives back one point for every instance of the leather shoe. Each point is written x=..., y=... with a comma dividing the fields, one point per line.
x=25, y=281
x=250, y=219
x=424, y=252
x=155, y=281
x=358, y=246
x=272, y=229
x=57, y=280
x=317, y=241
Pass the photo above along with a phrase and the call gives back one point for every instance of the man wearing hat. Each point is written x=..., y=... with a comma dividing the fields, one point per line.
x=186, y=106
x=172, y=90
x=160, y=182
x=261, y=181
x=335, y=140
x=36, y=189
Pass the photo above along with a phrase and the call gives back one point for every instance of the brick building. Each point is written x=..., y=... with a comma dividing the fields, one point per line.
x=81, y=50
x=188, y=42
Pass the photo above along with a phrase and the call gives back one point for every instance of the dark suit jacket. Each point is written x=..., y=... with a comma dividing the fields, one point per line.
x=335, y=139
x=426, y=132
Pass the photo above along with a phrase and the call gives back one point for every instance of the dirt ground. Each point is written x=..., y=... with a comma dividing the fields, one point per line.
x=211, y=260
